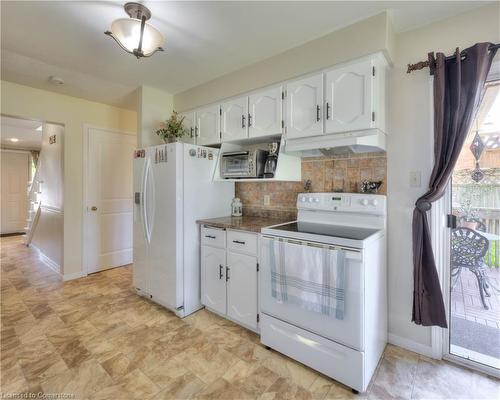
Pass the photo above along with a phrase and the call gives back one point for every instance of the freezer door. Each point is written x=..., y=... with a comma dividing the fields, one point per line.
x=203, y=198
x=140, y=247
x=164, y=216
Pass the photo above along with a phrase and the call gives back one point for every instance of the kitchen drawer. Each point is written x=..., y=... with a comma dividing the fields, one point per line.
x=213, y=237
x=242, y=241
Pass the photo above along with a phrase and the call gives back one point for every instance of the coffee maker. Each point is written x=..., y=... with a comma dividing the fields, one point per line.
x=272, y=160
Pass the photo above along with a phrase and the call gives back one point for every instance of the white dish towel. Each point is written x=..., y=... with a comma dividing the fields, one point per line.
x=312, y=278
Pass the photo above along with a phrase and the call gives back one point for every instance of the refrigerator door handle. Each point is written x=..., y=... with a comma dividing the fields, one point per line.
x=145, y=199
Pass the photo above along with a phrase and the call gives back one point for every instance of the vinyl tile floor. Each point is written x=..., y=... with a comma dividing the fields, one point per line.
x=95, y=338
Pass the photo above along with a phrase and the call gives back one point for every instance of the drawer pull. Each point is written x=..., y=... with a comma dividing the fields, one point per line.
x=227, y=273
x=220, y=271
x=238, y=241
x=210, y=237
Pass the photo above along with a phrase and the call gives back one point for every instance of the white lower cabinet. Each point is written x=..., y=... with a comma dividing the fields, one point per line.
x=229, y=277
x=242, y=288
x=213, y=275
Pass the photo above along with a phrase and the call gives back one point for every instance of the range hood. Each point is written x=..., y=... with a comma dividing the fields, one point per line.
x=366, y=141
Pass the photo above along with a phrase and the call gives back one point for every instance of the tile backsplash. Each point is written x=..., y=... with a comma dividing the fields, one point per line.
x=339, y=173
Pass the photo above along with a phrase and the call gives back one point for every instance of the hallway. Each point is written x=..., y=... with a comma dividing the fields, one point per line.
x=95, y=338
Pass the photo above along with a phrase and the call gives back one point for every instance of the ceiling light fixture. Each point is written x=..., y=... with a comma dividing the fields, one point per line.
x=133, y=34
x=14, y=139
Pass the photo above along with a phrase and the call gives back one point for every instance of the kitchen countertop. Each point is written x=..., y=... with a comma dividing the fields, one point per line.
x=250, y=224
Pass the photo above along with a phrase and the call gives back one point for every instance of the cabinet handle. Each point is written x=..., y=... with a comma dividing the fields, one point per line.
x=227, y=273
x=220, y=271
x=242, y=121
x=327, y=110
x=196, y=132
x=317, y=113
x=210, y=237
x=238, y=241
x=249, y=120
x=192, y=132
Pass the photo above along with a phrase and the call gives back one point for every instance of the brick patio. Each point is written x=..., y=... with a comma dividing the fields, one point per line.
x=466, y=302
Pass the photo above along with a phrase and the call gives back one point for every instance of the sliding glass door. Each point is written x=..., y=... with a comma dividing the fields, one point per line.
x=474, y=329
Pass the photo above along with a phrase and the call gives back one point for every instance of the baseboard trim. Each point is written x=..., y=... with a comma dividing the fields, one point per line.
x=411, y=345
x=47, y=261
x=74, y=275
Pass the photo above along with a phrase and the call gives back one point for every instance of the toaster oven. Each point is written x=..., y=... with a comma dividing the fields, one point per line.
x=243, y=164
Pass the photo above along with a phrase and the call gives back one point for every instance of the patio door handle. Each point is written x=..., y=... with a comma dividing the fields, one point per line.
x=451, y=221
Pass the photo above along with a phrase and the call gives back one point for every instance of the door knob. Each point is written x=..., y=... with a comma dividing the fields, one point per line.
x=93, y=208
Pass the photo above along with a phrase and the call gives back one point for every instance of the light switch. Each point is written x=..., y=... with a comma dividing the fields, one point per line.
x=415, y=179
x=267, y=200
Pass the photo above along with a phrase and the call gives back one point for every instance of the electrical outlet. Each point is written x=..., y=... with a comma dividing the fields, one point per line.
x=415, y=179
x=267, y=200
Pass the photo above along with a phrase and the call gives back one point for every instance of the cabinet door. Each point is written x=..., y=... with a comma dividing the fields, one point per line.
x=234, y=119
x=242, y=288
x=213, y=278
x=266, y=112
x=349, y=97
x=207, y=125
x=189, y=123
x=304, y=103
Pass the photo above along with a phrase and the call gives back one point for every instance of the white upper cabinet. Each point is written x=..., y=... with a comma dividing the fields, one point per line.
x=189, y=123
x=304, y=102
x=207, y=125
x=349, y=98
x=265, y=115
x=233, y=119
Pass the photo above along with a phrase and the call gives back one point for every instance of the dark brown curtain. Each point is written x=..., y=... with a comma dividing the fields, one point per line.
x=458, y=86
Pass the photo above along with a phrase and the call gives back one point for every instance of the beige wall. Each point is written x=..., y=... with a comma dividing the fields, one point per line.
x=49, y=232
x=362, y=38
x=153, y=106
x=26, y=102
x=410, y=139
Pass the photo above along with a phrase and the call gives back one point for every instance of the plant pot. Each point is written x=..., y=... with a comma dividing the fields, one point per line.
x=469, y=224
x=171, y=140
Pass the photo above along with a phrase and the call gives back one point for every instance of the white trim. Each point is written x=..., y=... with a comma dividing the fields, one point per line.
x=74, y=275
x=85, y=224
x=411, y=345
x=47, y=261
x=16, y=151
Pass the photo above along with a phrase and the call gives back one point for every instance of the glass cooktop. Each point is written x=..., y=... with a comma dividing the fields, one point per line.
x=345, y=232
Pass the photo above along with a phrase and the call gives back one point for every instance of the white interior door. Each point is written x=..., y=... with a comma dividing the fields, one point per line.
x=304, y=101
x=13, y=196
x=266, y=112
x=109, y=199
x=234, y=119
x=349, y=97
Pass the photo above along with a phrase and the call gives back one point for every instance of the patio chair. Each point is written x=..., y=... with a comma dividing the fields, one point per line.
x=468, y=249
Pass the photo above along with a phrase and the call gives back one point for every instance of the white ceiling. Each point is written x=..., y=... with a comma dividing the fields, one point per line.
x=204, y=40
x=22, y=129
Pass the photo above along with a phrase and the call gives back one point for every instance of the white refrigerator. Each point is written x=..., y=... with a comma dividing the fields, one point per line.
x=174, y=187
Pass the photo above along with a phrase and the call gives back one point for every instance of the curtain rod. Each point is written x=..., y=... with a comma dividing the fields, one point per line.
x=431, y=62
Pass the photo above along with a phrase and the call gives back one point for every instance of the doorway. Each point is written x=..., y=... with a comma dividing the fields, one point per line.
x=474, y=285
x=108, y=204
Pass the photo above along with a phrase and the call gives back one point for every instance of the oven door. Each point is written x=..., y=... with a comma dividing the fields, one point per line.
x=293, y=278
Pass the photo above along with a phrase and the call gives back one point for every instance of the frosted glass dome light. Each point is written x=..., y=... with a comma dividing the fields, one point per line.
x=134, y=34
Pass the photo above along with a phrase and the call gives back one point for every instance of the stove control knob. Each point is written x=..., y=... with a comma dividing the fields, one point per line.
x=374, y=202
x=364, y=202
x=303, y=199
x=316, y=200
x=310, y=200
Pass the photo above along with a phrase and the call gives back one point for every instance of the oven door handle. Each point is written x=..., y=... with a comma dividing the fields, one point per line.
x=235, y=153
x=356, y=253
